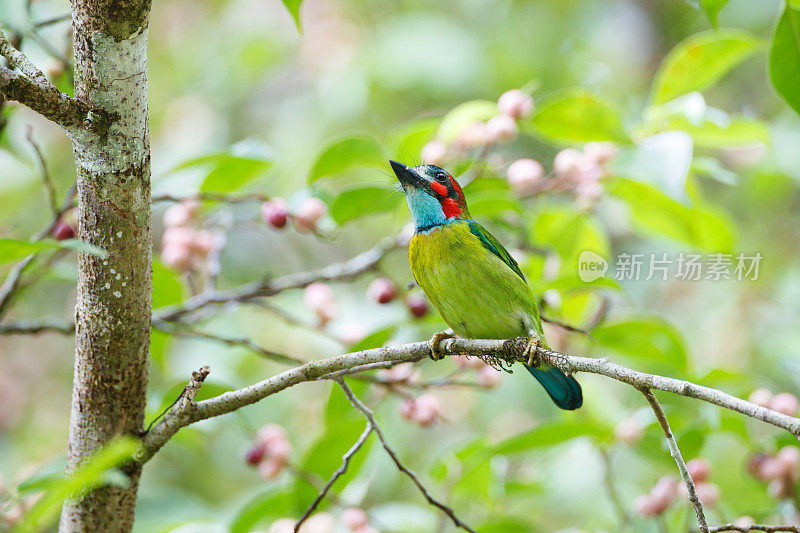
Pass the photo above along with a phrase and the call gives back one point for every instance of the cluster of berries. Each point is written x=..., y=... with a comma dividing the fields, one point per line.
x=423, y=410
x=784, y=402
x=319, y=297
x=354, y=519
x=186, y=248
x=667, y=489
x=270, y=451
x=576, y=170
x=485, y=375
x=780, y=471
x=276, y=213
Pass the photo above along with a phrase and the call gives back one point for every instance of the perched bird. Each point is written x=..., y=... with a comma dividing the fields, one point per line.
x=469, y=277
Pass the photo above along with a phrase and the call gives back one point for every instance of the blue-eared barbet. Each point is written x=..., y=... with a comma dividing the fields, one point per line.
x=469, y=277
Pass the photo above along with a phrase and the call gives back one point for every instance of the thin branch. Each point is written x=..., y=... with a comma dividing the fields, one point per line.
x=230, y=341
x=506, y=351
x=12, y=282
x=32, y=327
x=753, y=527
x=568, y=327
x=613, y=495
x=676, y=454
x=346, y=458
x=49, y=188
x=358, y=265
x=373, y=423
x=53, y=20
x=213, y=197
x=31, y=88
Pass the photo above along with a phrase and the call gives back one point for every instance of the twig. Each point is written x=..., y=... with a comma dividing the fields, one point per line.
x=214, y=197
x=753, y=527
x=506, y=350
x=53, y=20
x=11, y=284
x=48, y=183
x=17, y=59
x=346, y=458
x=611, y=488
x=352, y=268
x=564, y=325
x=32, y=327
x=676, y=454
x=373, y=423
x=230, y=341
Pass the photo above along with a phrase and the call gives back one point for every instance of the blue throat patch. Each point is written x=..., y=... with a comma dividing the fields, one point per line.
x=425, y=210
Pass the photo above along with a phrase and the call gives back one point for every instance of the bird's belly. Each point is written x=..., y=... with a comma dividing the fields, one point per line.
x=474, y=298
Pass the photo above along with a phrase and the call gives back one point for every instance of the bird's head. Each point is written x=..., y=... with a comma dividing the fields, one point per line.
x=433, y=195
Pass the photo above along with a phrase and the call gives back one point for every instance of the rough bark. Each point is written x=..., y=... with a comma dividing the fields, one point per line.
x=113, y=310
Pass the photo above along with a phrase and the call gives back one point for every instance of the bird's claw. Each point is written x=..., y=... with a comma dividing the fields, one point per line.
x=435, y=341
x=531, y=349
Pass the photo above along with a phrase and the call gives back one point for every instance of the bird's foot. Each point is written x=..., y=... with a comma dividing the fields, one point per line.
x=436, y=340
x=531, y=348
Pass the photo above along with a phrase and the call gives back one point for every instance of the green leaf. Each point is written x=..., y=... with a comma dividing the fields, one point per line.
x=738, y=131
x=711, y=8
x=547, y=433
x=570, y=233
x=655, y=213
x=261, y=510
x=167, y=286
x=232, y=169
x=576, y=115
x=407, y=139
x=87, y=477
x=650, y=342
x=374, y=340
x=358, y=202
x=699, y=61
x=463, y=115
x=345, y=154
x=784, y=57
x=13, y=250
x=293, y=6
x=662, y=160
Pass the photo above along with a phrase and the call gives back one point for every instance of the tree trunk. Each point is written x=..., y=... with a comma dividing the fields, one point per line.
x=113, y=308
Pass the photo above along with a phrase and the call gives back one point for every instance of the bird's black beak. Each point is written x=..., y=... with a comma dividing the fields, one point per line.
x=405, y=175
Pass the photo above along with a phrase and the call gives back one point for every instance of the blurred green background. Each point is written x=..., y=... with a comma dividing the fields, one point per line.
x=715, y=171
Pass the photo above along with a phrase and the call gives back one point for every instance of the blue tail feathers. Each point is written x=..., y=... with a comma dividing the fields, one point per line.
x=564, y=390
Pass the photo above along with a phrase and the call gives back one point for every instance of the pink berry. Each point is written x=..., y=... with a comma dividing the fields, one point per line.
x=569, y=162
x=768, y=469
x=501, y=129
x=488, y=377
x=275, y=213
x=181, y=214
x=398, y=373
x=417, y=304
x=699, y=469
x=515, y=103
x=427, y=410
x=433, y=153
x=784, y=403
x=317, y=295
x=744, y=521
x=62, y=231
x=761, y=397
x=789, y=459
x=382, y=290
x=270, y=433
x=254, y=455
x=408, y=408
x=708, y=493
x=472, y=136
x=270, y=468
x=284, y=525
x=664, y=491
x=600, y=152
x=524, y=176
x=308, y=214
x=628, y=430
x=647, y=506
x=354, y=518
x=177, y=256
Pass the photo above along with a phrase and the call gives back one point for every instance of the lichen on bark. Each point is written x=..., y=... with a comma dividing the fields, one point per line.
x=113, y=311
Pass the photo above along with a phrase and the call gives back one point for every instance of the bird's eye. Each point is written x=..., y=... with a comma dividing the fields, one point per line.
x=442, y=177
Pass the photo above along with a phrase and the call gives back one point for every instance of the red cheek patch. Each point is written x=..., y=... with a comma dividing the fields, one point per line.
x=440, y=189
x=450, y=208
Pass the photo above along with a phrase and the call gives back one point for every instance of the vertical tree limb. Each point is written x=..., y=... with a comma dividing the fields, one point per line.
x=113, y=311
x=676, y=454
